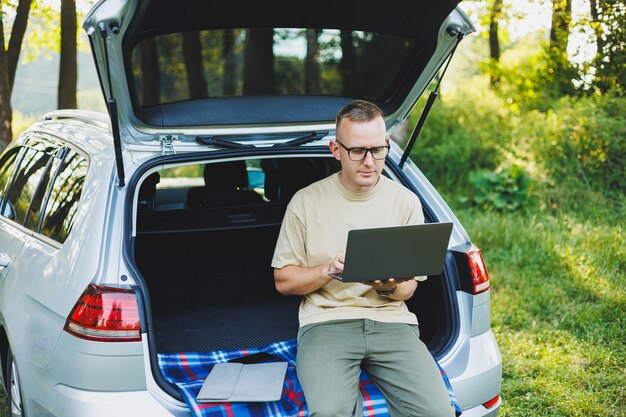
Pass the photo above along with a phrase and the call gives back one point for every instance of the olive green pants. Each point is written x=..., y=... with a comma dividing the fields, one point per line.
x=331, y=355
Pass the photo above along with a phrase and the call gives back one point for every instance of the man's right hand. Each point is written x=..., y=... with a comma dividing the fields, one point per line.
x=336, y=265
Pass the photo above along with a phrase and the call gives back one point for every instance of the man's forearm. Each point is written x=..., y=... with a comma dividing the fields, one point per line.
x=298, y=280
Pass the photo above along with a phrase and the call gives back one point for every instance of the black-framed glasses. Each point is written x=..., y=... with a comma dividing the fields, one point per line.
x=359, y=153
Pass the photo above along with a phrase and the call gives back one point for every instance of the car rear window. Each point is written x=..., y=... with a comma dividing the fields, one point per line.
x=270, y=61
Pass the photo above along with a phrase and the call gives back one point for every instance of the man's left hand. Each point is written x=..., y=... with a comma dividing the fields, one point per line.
x=387, y=284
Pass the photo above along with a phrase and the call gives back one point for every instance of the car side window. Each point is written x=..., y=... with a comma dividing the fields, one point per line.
x=31, y=220
x=62, y=203
x=26, y=190
x=7, y=167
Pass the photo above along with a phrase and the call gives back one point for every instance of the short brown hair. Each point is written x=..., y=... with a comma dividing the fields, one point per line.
x=358, y=111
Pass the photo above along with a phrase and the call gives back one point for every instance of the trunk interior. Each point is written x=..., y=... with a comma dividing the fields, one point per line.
x=207, y=265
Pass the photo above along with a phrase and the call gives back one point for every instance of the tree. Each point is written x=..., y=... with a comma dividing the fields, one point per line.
x=608, y=20
x=494, y=43
x=258, y=71
x=312, y=70
x=348, y=63
x=561, y=22
x=150, y=74
x=192, y=54
x=228, y=56
x=8, y=65
x=561, y=70
x=68, y=73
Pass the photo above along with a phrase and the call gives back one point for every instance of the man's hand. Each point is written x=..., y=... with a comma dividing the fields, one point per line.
x=386, y=284
x=300, y=280
x=403, y=288
x=336, y=265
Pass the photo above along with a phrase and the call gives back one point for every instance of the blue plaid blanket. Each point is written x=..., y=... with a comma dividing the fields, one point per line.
x=188, y=370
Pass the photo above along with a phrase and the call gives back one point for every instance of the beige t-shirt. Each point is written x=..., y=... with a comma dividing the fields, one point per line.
x=315, y=229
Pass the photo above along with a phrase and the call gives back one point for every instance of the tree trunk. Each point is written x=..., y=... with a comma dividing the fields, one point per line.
x=17, y=36
x=312, y=72
x=68, y=73
x=560, y=69
x=561, y=21
x=228, y=55
x=150, y=75
x=8, y=66
x=494, y=43
x=192, y=54
x=6, y=113
x=348, y=63
x=258, y=71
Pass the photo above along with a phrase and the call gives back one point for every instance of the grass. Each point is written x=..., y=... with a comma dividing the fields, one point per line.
x=558, y=307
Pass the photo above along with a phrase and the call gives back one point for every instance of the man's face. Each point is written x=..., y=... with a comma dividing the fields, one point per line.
x=359, y=176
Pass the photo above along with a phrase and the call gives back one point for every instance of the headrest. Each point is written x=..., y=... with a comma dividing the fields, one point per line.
x=231, y=175
x=285, y=176
x=147, y=191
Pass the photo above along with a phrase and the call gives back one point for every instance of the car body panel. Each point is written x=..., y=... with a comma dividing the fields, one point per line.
x=12, y=239
x=480, y=379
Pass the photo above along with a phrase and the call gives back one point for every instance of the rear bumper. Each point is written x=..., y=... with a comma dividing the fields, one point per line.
x=95, y=379
x=475, y=373
x=72, y=402
x=481, y=411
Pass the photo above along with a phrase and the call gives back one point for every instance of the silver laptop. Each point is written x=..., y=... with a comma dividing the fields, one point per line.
x=238, y=382
x=395, y=252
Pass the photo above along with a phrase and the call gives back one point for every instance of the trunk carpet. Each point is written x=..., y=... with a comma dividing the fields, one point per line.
x=227, y=327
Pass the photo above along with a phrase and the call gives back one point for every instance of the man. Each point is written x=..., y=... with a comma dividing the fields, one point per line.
x=346, y=326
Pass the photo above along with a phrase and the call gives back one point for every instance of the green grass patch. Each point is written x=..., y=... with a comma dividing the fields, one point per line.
x=558, y=308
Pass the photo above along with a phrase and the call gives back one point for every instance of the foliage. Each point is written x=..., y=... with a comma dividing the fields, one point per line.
x=459, y=137
x=508, y=189
x=575, y=142
x=610, y=62
x=585, y=141
x=188, y=171
x=531, y=76
x=21, y=122
x=44, y=31
x=551, y=72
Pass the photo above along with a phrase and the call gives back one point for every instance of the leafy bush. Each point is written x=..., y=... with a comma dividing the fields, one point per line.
x=508, y=189
x=458, y=138
x=586, y=141
x=577, y=144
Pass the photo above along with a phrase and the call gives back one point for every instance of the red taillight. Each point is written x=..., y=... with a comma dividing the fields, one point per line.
x=492, y=402
x=478, y=270
x=105, y=314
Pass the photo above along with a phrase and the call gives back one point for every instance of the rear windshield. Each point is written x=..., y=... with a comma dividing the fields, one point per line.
x=270, y=61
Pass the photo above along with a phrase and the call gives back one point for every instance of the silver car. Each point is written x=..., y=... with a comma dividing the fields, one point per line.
x=141, y=236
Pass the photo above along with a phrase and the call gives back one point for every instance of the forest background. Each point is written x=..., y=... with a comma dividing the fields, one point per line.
x=527, y=143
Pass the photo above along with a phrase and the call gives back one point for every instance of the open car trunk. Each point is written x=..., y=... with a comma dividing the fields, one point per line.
x=206, y=260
